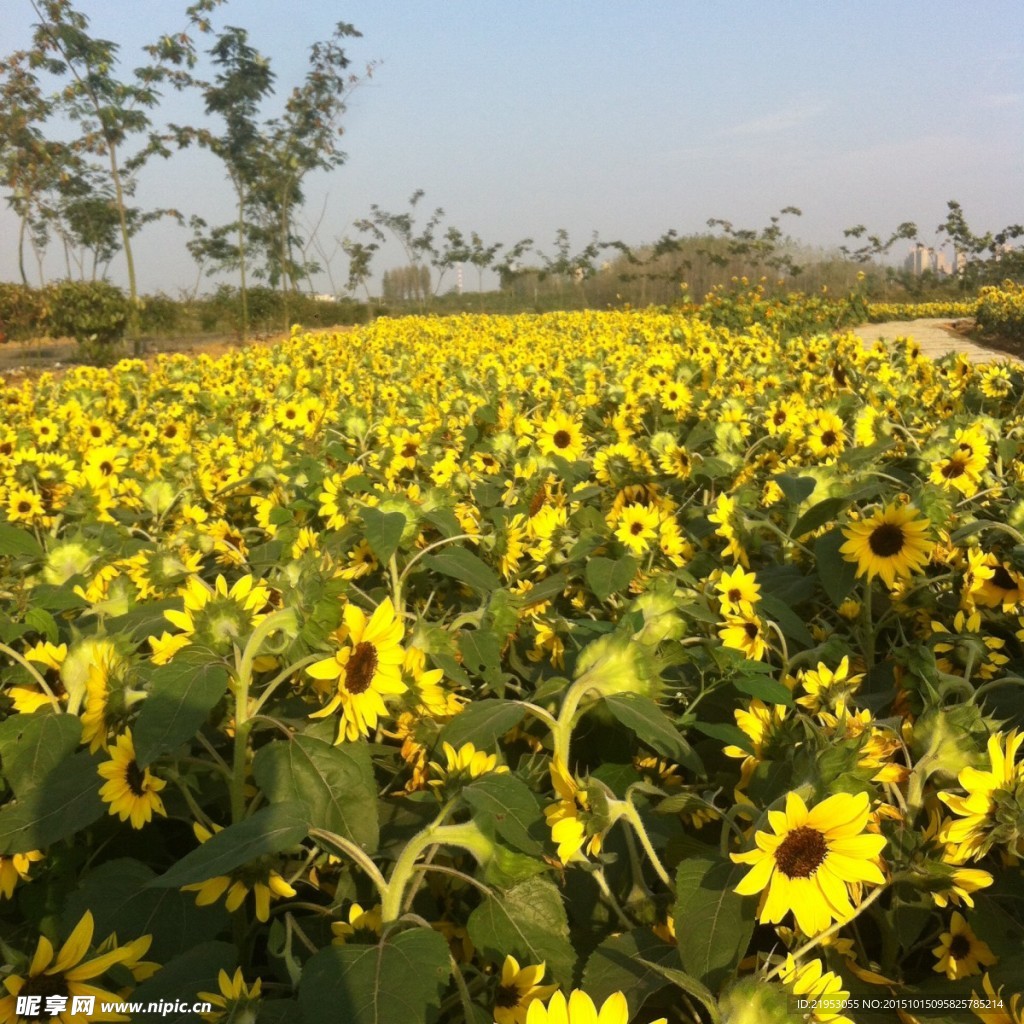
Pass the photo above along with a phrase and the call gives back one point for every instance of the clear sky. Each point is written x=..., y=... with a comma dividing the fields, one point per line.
x=519, y=117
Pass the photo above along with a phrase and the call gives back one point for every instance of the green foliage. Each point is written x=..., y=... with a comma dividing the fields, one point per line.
x=22, y=311
x=91, y=312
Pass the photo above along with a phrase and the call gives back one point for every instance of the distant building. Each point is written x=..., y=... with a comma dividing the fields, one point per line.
x=924, y=259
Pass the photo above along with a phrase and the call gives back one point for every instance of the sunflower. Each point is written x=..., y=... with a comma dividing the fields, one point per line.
x=812, y=859
x=464, y=765
x=235, y=1001
x=568, y=818
x=960, y=951
x=213, y=616
x=991, y=812
x=892, y=543
x=15, y=869
x=560, y=434
x=130, y=790
x=638, y=526
x=518, y=988
x=738, y=592
x=362, y=926
x=744, y=633
x=364, y=671
x=827, y=689
x=65, y=975
x=579, y=1008
x=258, y=876
x=822, y=988
x=994, y=1008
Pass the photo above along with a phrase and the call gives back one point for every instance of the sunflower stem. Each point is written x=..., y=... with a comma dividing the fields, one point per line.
x=867, y=627
x=632, y=815
x=466, y=836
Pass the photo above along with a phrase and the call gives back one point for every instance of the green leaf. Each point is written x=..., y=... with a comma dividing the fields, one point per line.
x=652, y=727
x=548, y=588
x=31, y=747
x=383, y=531
x=796, y=488
x=836, y=574
x=443, y=519
x=118, y=894
x=181, y=696
x=818, y=515
x=43, y=623
x=529, y=922
x=57, y=599
x=789, y=622
x=63, y=803
x=481, y=654
x=464, y=566
x=400, y=980
x=273, y=829
x=509, y=805
x=182, y=979
x=15, y=541
x=768, y=690
x=606, y=576
x=333, y=785
x=704, y=893
x=728, y=734
x=482, y=723
x=617, y=966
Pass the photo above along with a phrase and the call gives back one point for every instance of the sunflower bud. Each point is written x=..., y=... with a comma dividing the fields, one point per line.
x=66, y=560
x=662, y=621
x=618, y=664
x=751, y=1001
x=949, y=740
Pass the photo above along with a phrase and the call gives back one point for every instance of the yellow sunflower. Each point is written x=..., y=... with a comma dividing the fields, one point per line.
x=130, y=790
x=64, y=974
x=561, y=434
x=579, y=1008
x=235, y=1001
x=891, y=543
x=364, y=671
x=811, y=860
x=960, y=953
x=15, y=869
x=517, y=989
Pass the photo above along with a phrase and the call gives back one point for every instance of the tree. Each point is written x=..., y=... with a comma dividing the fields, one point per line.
x=243, y=80
x=763, y=248
x=982, y=259
x=107, y=110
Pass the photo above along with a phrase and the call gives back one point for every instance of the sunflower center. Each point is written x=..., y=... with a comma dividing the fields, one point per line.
x=135, y=777
x=800, y=854
x=44, y=985
x=636, y=528
x=953, y=469
x=562, y=439
x=1002, y=579
x=24, y=507
x=886, y=540
x=751, y=629
x=360, y=669
x=507, y=997
x=734, y=595
x=779, y=418
x=828, y=438
x=960, y=947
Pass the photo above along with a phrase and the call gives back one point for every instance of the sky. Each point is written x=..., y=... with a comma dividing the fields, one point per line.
x=628, y=119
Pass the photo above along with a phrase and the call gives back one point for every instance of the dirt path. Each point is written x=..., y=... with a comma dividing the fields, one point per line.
x=937, y=338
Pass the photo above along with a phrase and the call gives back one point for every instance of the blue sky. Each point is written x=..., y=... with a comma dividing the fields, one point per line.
x=522, y=117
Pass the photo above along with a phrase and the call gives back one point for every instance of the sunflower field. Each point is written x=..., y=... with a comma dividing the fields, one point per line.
x=580, y=668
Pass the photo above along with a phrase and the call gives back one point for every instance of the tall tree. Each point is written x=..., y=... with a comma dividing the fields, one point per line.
x=109, y=110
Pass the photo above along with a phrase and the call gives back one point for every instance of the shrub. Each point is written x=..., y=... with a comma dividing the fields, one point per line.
x=91, y=312
x=22, y=311
x=1001, y=310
